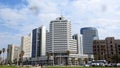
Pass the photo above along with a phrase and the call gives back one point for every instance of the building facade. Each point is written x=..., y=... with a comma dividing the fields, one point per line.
x=48, y=46
x=61, y=36
x=108, y=49
x=13, y=53
x=60, y=39
x=26, y=45
x=88, y=35
x=78, y=39
x=39, y=42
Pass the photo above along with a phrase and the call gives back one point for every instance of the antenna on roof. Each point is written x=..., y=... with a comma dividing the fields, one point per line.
x=61, y=12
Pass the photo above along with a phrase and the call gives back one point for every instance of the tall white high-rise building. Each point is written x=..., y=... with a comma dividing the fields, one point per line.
x=61, y=36
x=26, y=45
x=13, y=53
x=39, y=42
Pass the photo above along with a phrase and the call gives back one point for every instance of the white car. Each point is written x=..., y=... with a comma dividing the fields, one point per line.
x=118, y=64
x=87, y=65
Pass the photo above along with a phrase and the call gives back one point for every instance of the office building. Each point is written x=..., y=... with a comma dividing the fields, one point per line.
x=108, y=49
x=88, y=35
x=78, y=39
x=48, y=46
x=13, y=53
x=61, y=41
x=26, y=46
x=61, y=36
x=39, y=42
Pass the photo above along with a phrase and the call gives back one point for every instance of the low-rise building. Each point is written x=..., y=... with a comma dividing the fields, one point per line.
x=108, y=49
x=13, y=53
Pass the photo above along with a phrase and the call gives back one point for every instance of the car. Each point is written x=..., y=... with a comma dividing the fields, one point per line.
x=94, y=64
x=87, y=65
x=111, y=65
x=118, y=64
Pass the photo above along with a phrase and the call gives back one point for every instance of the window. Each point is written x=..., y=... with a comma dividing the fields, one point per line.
x=110, y=41
x=112, y=53
x=111, y=49
x=111, y=46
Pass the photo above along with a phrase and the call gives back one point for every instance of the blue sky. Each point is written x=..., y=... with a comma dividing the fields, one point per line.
x=19, y=17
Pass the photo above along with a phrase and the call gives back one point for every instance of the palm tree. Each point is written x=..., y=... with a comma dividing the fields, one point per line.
x=0, y=55
x=27, y=62
x=79, y=60
x=73, y=60
x=21, y=56
x=55, y=57
x=48, y=57
x=86, y=60
x=15, y=61
x=22, y=53
x=0, y=52
x=20, y=60
x=7, y=54
x=7, y=50
x=3, y=50
x=68, y=53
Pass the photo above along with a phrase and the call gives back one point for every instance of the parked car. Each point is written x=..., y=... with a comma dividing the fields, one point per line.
x=111, y=65
x=98, y=63
x=118, y=64
x=87, y=65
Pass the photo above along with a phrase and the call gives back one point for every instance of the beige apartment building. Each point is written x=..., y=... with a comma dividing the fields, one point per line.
x=13, y=53
x=108, y=49
x=26, y=45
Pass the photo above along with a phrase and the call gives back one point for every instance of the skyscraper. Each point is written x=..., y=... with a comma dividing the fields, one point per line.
x=88, y=35
x=48, y=46
x=26, y=45
x=39, y=42
x=61, y=36
x=13, y=53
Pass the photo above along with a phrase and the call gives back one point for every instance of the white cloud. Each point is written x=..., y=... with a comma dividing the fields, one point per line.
x=102, y=14
x=7, y=38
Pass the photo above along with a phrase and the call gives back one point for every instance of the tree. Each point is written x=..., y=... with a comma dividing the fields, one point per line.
x=0, y=52
x=7, y=50
x=3, y=50
x=7, y=58
x=73, y=60
x=86, y=60
x=55, y=57
x=0, y=55
x=48, y=58
x=68, y=53
x=115, y=59
x=21, y=56
x=15, y=61
x=27, y=62
x=79, y=60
